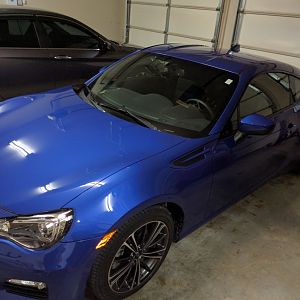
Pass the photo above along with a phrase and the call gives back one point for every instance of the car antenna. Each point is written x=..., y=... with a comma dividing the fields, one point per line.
x=234, y=48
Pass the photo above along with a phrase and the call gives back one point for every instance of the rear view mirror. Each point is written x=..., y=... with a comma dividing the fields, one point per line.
x=256, y=124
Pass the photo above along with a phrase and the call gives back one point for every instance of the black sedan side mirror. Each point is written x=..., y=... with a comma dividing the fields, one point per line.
x=256, y=124
x=103, y=46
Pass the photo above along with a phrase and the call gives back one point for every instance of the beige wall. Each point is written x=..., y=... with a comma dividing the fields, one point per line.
x=105, y=16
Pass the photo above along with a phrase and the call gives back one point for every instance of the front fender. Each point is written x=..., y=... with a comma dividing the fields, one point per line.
x=142, y=185
x=111, y=202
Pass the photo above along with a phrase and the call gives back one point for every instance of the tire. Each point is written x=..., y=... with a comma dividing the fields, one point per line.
x=131, y=251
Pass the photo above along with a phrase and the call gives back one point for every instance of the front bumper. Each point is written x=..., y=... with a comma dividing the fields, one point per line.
x=64, y=268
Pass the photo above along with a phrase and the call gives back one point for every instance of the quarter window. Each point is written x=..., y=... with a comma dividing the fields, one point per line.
x=18, y=33
x=63, y=34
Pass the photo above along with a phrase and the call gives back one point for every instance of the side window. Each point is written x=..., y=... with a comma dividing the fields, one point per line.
x=255, y=101
x=295, y=87
x=265, y=95
x=18, y=33
x=62, y=34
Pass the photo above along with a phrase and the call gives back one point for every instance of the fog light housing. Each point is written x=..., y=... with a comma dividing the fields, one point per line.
x=26, y=288
x=33, y=284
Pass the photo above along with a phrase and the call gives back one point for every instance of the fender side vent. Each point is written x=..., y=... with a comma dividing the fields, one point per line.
x=190, y=158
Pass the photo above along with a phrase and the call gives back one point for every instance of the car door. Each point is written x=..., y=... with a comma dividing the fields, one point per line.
x=76, y=52
x=23, y=64
x=242, y=163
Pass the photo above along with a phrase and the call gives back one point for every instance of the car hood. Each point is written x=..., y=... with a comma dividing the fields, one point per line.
x=54, y=146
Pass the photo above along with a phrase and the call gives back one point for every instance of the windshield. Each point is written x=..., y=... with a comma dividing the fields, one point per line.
x=174, y=95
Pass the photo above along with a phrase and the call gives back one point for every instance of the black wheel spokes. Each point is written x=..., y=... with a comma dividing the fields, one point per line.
x=122, y=273
x=138, y=257
x=156, y=231
x=158, y=254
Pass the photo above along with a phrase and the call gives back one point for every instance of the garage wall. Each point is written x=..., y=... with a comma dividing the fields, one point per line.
x=270, y=28
x=105, y=16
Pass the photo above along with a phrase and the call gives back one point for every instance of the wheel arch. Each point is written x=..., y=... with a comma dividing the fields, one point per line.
x=178, y=217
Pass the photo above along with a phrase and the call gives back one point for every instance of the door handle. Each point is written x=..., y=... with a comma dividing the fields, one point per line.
x=62, y=57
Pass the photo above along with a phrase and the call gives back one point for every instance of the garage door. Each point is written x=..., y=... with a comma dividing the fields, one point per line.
x=169, y=21
x=270, y=28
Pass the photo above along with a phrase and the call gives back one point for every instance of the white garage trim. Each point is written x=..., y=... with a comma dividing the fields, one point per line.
x=270, y=51
x=270, y=13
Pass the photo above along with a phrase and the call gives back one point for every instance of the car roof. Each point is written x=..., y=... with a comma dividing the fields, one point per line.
x=230, y=61
x=4, y=10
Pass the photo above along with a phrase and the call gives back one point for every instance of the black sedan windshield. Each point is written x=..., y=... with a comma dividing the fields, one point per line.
x=174, y=95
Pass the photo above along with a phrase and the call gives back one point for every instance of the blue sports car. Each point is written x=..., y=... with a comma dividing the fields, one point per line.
x=99, y=179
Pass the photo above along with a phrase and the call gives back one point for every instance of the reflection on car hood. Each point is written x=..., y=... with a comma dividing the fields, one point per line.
x=54, y=146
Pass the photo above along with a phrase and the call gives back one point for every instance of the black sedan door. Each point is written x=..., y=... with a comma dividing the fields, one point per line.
x=24, y=66
x=76, y=52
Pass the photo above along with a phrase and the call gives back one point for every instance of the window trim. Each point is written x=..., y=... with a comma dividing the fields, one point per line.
x=298, y=78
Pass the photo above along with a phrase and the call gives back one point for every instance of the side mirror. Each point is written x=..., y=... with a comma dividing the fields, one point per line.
x=103, y=46
x=256, y=125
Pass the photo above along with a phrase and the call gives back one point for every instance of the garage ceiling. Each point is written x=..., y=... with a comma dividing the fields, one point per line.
x=169, y=21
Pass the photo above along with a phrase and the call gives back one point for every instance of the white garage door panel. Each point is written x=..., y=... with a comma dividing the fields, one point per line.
x=287, y=59
x=206, y=3
x=283, y=6
x=182, y=40
x=145, y=38
x=270, y=32
x=193, y=22
x=156, y=16
x=155, y=1
x=270, y=28
x=188, y=21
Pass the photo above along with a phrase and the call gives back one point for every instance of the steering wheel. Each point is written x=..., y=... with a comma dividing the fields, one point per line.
x=199, y=104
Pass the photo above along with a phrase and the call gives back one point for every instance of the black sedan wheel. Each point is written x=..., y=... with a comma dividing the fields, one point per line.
x=133, y=255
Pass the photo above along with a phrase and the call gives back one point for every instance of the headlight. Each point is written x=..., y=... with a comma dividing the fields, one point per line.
x=38, y=231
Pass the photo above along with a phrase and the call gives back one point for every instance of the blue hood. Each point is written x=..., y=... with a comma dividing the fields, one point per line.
x=54, y=146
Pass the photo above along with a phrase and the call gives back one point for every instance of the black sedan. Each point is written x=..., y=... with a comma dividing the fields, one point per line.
x=41, y=50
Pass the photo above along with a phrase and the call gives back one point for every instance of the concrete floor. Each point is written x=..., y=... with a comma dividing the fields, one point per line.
x=251, y=251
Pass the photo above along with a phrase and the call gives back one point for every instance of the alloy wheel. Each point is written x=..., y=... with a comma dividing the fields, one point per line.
x=138, y=257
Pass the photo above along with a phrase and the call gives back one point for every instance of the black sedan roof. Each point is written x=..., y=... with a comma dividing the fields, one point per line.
x=28, y=11
x=11, y=11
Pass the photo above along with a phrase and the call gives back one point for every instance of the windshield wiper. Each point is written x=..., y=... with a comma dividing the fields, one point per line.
x=124, y=111
x=78, y=88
